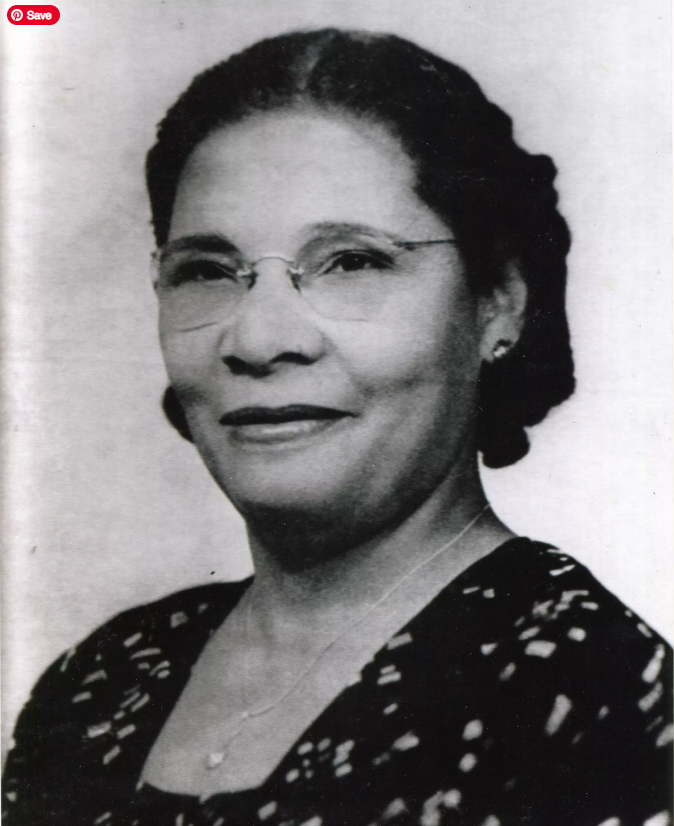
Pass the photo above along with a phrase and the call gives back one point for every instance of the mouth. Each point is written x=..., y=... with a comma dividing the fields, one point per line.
x=275, y=425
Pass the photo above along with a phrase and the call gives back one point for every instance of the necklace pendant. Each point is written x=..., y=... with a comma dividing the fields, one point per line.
x=214, y=759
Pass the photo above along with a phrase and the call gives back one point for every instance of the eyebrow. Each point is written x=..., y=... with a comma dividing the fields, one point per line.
x=202, y=242
x=361, y=229
x=214, y=242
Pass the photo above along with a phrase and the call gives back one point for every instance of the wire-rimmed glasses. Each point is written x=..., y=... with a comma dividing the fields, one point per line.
x=201, y=280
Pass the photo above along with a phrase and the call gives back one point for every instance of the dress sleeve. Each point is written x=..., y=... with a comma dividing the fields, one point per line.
x=603, y=713
x=41, y=769
x=83, y=736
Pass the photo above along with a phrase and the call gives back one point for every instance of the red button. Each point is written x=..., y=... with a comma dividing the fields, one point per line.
x=33, y=15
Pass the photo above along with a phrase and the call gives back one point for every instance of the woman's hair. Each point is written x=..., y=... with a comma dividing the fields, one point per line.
x=497, y=198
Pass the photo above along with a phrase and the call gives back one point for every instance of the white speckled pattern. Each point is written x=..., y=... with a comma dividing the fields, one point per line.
x=523, y=693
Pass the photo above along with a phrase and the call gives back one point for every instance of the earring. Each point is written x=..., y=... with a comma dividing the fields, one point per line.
x=502, y=347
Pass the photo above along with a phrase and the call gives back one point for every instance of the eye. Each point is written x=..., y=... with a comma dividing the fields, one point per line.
x=357, y=260
x=200, y=272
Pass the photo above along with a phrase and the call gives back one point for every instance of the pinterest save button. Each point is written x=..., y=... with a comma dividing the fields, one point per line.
x=33, y=15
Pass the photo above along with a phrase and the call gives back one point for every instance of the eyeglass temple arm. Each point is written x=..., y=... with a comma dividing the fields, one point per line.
x=407, y=244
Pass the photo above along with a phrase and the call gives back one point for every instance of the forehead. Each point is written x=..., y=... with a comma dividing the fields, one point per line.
x=267, y=178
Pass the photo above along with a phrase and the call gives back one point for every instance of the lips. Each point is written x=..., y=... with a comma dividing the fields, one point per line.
x=274, y=425
x=280, y=415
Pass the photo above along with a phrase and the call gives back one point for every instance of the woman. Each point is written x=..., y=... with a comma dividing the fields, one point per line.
x=361, y=285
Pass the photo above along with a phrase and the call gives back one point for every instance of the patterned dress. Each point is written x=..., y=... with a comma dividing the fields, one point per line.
x=523, y=693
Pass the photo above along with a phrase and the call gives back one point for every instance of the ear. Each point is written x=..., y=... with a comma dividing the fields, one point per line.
x=502, y=314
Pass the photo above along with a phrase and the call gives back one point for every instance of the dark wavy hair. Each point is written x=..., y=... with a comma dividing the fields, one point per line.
x=498, y=199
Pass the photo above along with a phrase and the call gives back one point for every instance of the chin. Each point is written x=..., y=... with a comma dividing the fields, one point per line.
x=304, y=489
x=303, y=518
x=311, y=476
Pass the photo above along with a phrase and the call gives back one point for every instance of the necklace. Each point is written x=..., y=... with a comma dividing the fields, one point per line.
x=215, y=759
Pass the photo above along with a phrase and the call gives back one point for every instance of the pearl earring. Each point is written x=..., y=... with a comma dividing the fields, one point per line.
x=502, y=347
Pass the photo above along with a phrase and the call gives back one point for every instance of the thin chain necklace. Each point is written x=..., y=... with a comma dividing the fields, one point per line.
x=215, y=759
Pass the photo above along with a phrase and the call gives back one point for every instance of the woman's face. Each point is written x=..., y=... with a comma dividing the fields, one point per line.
x=352, y=415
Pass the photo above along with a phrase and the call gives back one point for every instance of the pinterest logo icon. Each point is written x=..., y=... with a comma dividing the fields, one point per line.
x=16, y=15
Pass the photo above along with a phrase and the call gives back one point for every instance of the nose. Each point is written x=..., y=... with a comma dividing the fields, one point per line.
x=273, y=327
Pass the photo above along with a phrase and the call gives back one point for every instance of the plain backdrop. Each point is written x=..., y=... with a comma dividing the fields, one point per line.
x=104, y=505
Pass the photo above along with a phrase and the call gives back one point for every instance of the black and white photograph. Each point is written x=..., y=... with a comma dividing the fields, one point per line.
x=337, y=395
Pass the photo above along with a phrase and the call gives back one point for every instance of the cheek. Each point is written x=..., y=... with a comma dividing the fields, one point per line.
x=188, y=360
x=427, y=343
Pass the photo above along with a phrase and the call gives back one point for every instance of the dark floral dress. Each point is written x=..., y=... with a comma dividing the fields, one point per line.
x=524, y=693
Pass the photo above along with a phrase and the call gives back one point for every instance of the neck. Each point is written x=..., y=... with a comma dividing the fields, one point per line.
x=323, y=595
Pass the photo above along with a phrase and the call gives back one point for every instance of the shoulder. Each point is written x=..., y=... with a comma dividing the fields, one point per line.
x=140, y=658
x=572, y=684
x=190, y=613
x=550, y=608
x=549, y=585
x=561, y=651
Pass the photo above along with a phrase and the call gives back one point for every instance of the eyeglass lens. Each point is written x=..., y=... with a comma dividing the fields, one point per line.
x=347, y=278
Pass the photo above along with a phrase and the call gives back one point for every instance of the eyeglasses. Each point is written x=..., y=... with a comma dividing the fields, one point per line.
x=202, y=280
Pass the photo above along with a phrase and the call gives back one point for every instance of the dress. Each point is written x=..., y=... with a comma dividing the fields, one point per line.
x=523, y=693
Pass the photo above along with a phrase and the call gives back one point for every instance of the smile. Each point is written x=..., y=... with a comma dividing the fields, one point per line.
x=276, y=425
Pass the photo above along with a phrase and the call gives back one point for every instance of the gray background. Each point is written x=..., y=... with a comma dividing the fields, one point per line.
x=104, y=505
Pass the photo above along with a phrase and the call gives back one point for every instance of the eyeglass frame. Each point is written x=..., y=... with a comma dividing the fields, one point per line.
x=294, y=272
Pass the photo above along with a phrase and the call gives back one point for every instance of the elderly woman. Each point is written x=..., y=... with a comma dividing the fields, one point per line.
x=361, y=282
